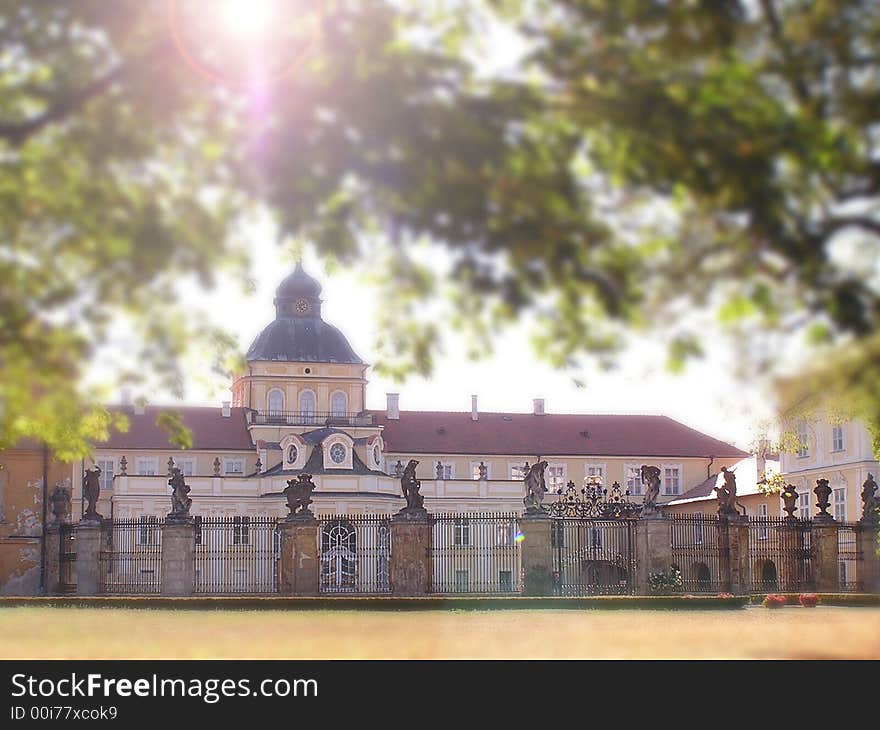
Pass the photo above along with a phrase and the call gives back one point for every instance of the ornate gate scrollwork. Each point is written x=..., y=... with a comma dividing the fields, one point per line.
x=594, y=501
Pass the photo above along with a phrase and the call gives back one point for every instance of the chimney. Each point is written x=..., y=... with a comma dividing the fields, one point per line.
x=393, y=408
x=539, y=406
x=227, y=411
x=475, y=414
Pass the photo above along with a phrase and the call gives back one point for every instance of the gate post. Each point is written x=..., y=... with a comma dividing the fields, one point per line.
x=299, y=555
x=653, y=549
x=869, y=565
x=537, y=554
x=89, y=541
x=411, y=560
x=178, y=556
x=826, y=553
x=736, y=528
x=53, y=559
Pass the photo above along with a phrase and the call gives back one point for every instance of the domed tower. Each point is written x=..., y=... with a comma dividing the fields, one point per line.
x=301, y=371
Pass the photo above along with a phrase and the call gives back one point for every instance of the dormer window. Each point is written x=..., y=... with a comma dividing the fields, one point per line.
x=292, y=453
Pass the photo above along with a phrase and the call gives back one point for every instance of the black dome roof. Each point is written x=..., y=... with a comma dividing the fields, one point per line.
x=302, y=339
x=301, y=335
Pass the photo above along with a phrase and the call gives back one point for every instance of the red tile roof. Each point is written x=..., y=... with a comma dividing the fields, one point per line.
x=210, y=430
x=524, y=434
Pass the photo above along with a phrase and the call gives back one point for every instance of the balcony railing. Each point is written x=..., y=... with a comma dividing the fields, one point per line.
x=308, y=418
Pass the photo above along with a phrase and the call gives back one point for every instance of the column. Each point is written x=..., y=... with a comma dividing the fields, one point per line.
x=411, y=559
x=869, y=565
x=537, y=555
x=299, y=556
x=178, y=557
x=53, y=559
x=825, y=554
x=89, y=539
x=740, y=575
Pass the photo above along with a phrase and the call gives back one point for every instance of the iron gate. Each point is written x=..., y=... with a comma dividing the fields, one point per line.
x=593, y=556
x=780, y=555
x=235, y=555
x=355, y=554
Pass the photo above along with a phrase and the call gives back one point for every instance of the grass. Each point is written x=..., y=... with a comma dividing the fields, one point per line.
x=787, y=633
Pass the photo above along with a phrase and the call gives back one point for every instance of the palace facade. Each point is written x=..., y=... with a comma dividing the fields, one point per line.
x=300, y=407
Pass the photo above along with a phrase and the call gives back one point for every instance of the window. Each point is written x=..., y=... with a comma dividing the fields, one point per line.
x=555, y=478
x=803, y=449
x=698, y=528
x=462, y=578
x=671, y=480
x=461, y=532
x=837, y=441
x=146, y=466
x=632, y=477
x=338, y=404
x=233, y=466
x=106, y=466
x=804, y=505
x=148, y=529
x=338, y=452
x=840, y=504
x=241, y=530
x=275, y=402
x=444, y=470
x=187, y=466
x=505, y=580
x=307, y=404
x=517, y=472
x=594, y=470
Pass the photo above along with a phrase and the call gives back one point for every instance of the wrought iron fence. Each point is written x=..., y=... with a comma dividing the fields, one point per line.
x=355, y=554
x=593, y=556
x=235, y=555
x=67, y=559
x=131, y=558
x=780, y=555
x=476, y=552
x=849, y=557
x=697, y=552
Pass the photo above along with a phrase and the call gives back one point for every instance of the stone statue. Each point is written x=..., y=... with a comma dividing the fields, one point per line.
x=823, y=492
x=535, y=488
x=299, y=495
x=439, y=470
x=398, y=469
x=91, y=491
x=789, y=498
x=180, y=503
x=410, y=486
x=727, y=493
x=484, y=470
x=217, y=466
x=870, y=503
x=651, y=479
x=60, y=504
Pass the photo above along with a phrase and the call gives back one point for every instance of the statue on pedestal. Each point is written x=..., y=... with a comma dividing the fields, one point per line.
x=823, y=492
x=727, y=493
x=651, y=479
x=180, y=502
x=410, y=486
x=535, y=488
x=870, y=503
x=299, y=495
x=91, y=491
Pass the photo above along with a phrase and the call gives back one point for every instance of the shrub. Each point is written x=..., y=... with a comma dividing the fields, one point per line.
x=666, y=582
x=808, y=600
x=774, y=600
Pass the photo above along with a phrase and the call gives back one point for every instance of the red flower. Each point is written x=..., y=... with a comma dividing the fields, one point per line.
x=808, y=600
x=774, y=600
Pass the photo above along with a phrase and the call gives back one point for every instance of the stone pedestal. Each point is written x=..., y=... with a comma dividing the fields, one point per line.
x=299, y=556
x=825, y=555
x=739, y=573
x=53, y=559
x=537, y=555
x=653, y=550
x=178, y=557
x=869, y=566
x=89, y=541
x=411, y=564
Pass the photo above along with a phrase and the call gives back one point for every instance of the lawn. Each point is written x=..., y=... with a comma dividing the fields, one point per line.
x=755, y=632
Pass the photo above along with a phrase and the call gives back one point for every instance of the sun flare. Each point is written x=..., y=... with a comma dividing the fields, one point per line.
x=248, y=17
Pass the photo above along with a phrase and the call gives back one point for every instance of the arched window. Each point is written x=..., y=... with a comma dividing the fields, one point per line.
x=338, y=404
x=275, y=402
x=307, y=404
